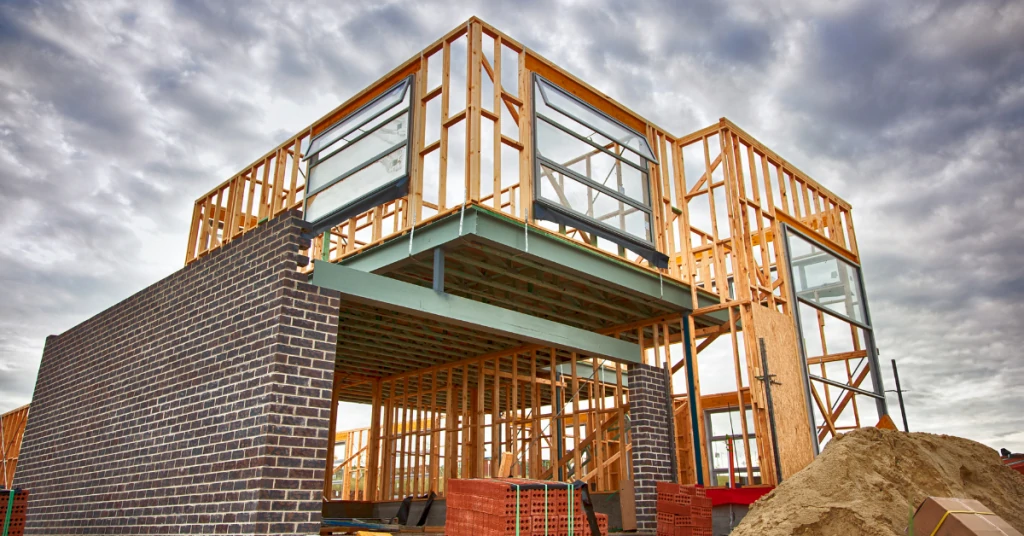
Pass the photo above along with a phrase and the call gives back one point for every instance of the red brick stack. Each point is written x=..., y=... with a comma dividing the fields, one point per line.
x=18, y=508
x=490, y=507
x=683, y=510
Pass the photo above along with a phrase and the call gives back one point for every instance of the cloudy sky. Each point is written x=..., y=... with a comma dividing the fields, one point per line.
x=115, y=117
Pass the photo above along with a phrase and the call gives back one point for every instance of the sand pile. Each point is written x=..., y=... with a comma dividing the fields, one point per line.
x=868, y=481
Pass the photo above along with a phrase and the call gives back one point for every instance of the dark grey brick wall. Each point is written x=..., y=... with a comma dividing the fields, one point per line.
x=651, y=435
x=199, y=405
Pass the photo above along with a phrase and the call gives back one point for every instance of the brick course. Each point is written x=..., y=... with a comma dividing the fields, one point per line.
x=651, y=435
x=199, y=405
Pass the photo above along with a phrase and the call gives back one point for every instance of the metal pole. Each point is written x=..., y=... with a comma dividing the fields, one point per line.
x=690, y=388
x=559, y=432
x=438, y=270
x=767, y=379
x=872, y=347
x=899, y=394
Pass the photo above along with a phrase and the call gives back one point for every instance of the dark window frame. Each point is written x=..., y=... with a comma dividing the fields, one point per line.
x=393, y=189
x=552, y=211
x=741, y=472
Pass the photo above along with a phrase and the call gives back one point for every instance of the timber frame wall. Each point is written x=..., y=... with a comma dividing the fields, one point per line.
x=12, y=429
x=723, y=203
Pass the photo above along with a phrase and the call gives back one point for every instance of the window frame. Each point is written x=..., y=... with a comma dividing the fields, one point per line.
x=864, y=323
x=394, y=188
x=741, y=472
x=647, y=144
x=407, y=82
x=869, y=332
x=644, y=247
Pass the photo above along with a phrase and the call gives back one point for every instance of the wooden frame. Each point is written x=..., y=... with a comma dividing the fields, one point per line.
x=558, y=414
x=12, y=429
x=720, y=199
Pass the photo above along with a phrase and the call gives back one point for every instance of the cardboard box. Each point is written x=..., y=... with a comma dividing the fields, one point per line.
x=959, y=517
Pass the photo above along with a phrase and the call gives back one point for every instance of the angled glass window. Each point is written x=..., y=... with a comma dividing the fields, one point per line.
x=570, y=191
x=351, y=124
x=822, y=279
x=593, y=163
x=362, y=161
x=591, y=171
x=378, y=174
x=586, y=115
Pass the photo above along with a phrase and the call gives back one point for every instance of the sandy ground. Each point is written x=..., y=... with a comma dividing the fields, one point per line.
x=870, y=481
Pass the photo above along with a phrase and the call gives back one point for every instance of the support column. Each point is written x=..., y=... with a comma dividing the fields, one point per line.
x=649, y=414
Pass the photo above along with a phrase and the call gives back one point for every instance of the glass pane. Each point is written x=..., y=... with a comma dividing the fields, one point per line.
x=360, y=152
x=720, y=456
x=821, y=278
x=609, y=127
x=739, y=457
x=581, y=198
x=596, y=165
x=725, y=423
x=368, y=126
x=389, y=99
x=357, y=185
x=587, y=132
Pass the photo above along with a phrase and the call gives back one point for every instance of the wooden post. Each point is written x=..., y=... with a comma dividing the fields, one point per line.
x=373, y=460
x=478, y=413
x=474, y=91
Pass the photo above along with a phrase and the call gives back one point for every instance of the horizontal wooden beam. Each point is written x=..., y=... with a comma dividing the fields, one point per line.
x=364, y=287
x=845, y=356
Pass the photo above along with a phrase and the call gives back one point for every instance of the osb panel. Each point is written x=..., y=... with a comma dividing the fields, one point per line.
x=789, y=399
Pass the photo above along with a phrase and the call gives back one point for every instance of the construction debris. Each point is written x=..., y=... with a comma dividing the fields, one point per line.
x=13, y=505
x=506, y=507
x=683, y=510
x=871, y=481
x=939, y=515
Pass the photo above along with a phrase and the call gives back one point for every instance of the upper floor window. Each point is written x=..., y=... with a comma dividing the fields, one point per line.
x=361, y=161
x=823, y=280
x=591, y=171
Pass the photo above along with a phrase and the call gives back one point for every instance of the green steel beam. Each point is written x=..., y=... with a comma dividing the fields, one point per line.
x=585, y=371
x=436, y=233
x=381, y=291
x=572, y=259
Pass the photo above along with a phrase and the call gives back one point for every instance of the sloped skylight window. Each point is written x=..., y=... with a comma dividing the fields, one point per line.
x=361, y=161
x=591, y=171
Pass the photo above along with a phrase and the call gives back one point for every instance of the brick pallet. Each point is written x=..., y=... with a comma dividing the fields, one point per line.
x=16, y=526
x=683, y=510
x=508, y=507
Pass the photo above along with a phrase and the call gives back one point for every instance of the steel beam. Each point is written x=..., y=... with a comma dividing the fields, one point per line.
x=842, y=385
x=562, y=254
x=385, y=292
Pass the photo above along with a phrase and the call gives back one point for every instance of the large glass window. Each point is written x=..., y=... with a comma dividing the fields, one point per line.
x=591, y=170
x=823, y=279
x=832, y=319
x=361, y=161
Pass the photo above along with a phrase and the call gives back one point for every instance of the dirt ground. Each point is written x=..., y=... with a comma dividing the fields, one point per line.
x=870, y=481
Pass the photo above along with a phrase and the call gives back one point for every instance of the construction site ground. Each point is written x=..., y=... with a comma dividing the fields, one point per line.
x=870, y=481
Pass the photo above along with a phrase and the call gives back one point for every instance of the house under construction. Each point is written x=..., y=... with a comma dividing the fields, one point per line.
x=488, y=257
